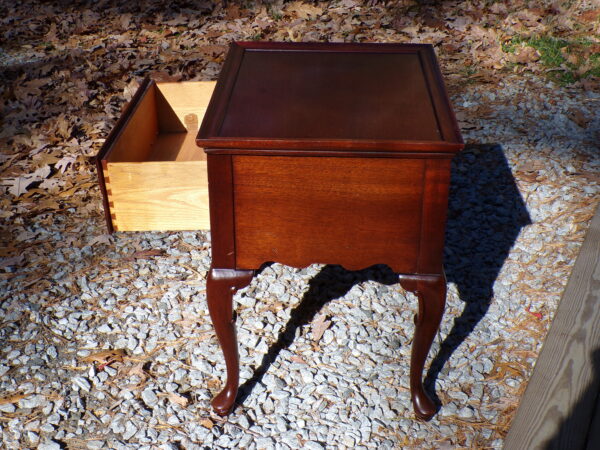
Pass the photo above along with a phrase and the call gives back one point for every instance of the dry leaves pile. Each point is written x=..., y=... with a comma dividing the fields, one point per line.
x=66, y=71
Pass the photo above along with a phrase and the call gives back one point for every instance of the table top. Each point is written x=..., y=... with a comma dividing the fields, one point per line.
x=322, y=96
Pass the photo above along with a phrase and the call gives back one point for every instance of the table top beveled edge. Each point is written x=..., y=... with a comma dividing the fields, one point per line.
x=209, y=133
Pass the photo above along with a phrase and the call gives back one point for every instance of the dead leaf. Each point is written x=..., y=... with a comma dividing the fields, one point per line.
x=585, y=67
x=63, y=127
x=528, y=177
x=13, y=261
x=63, y=163
x=141, y=254
x=304, y=10
x=298, y=359
x=45, y=159
x=130, y=89
x=233, y=12
x=178, y=400
x=18, y=185
x=50, y=184
x=179, y=19
x=319, y=326
x=138, y=369
x=590, y=16
x=14, y=398
x=125, y=20
x=51, y=35
x=486, y=111
x=503, y=403
x=164, y=76
x=207, y=423
x=591, y=84
x=591, y=177
x=591, y=50
x=524, y=55
x=105, y=358
x=32, y=88
x=213, y=384
x=578, y=117
x=211, y=50
x=48, y=204
x=102, y=239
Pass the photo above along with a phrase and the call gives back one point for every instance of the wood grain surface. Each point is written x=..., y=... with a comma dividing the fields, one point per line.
x=332, y=154
x=558, y=407
x=350, y=211
x=153, y=173
x=326, y=96
x=159, y=196
x=135, y=139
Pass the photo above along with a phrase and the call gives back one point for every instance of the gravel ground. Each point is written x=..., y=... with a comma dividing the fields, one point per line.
x=107, y=342
x=522, y=193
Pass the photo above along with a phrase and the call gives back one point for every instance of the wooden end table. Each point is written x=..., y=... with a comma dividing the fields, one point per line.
x=331, y=154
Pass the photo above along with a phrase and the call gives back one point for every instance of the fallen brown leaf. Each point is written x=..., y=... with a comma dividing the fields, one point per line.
x=102, y=239
x=141, y=254
x=213, y=384
x=298, y=359
x=207, y=423
x=138, y=370
x=590, y=16
x=304, y=10
x=14, y=398
x=526, y=55
x=578, y=117
x=178, y=400
x=319, y=326
x=105, y=358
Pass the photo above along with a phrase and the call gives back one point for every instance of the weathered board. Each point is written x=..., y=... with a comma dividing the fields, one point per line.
x=560, y=407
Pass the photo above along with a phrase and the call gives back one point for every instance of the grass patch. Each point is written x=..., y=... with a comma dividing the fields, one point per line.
x=568, y=60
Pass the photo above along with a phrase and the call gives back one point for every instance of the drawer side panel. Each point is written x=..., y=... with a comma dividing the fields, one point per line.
x=159, y=196
x=350, y=211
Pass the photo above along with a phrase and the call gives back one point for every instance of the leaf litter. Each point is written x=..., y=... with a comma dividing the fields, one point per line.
x=67, y=71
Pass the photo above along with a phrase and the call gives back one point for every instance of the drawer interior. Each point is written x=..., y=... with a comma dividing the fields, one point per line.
x=153, y=172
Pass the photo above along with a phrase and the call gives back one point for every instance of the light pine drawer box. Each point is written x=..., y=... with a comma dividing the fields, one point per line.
x=152, y=173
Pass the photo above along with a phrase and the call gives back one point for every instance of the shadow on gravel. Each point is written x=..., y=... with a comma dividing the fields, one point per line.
x=486, y=213
x=330, y=283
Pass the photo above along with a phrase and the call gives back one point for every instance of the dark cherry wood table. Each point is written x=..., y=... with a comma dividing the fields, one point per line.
x=331, y=154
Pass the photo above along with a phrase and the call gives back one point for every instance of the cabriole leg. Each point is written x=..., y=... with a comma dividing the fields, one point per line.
x=221, y=286
x=431, y=292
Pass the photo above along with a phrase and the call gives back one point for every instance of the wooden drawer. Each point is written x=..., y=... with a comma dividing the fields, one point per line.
x=152, y=173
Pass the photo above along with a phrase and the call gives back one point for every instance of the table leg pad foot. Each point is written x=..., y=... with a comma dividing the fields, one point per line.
x=423, y=405
x=224, y=402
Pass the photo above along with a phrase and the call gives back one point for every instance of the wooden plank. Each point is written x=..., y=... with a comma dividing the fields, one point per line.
x=138, y=134
x=176, y=147
x=159, y=196
x=557, y=408
x=189, y=100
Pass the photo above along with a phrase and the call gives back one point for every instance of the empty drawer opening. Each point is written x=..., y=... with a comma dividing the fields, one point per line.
x=164, y=124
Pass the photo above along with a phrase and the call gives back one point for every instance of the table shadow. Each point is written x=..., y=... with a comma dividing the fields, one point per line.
x=330, y=283
x=485, y=215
